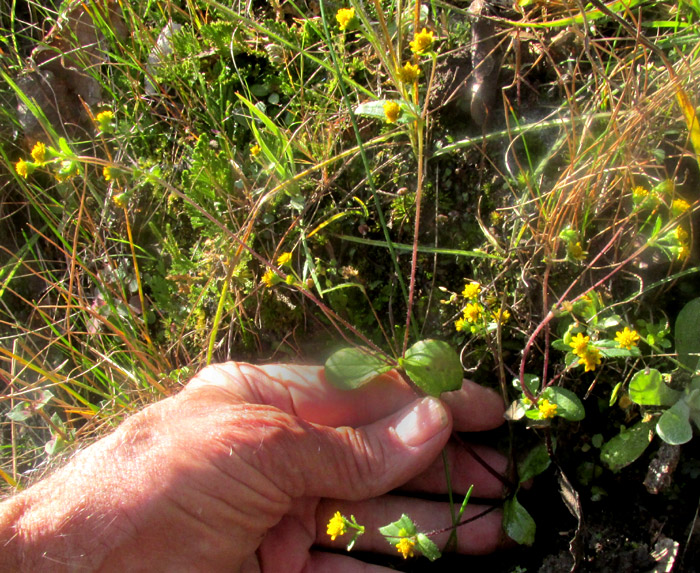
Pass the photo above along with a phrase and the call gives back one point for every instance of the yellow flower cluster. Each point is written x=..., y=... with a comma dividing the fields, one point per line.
x=471, y=290
x=405, y=547
x=39, y=152
x=422, y=42
x=626, y=338
x=588, y=355
x=284, y=259
x=392, y=110
x=345, y=16
x=409, y=73
x=679, y=206
x=575, y=251
x=547, y=409
x=269, y=277
x=336, y=526
x=473, y=311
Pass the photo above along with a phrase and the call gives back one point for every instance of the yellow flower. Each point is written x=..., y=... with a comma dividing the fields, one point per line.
x=683, y=252
x=421, y=42
x=109, y=173
x=23, y=168
x=679, y=206
x=39, y=152
x=269, y=278
x=120, y=200
x=575, y=251
x=344, y=17
x=590, y=358
x=472, y=312
x=409, y=73
x=500, y=315
x=104, y=121
x=336, y=526
x=681, y=234
x=579, y=343
x=639, y=192
x=405, y=547
x=471, y=290
x=284, y=258
x=255, y=150
x=391, y=111
x=547, y=409
x=626, y=338
x=460, y=324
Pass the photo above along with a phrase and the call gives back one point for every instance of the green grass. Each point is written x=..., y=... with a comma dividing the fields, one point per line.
x=257, y=135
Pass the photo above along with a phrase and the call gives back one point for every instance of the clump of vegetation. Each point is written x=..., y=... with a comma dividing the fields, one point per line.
x=186, y=182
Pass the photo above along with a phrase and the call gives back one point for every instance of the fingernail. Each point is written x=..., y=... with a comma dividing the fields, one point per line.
x=425, y=419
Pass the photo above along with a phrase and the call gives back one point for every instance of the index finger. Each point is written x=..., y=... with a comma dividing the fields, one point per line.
x=302, y=390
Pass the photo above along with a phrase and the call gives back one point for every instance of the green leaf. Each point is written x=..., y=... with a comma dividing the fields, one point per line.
x=627, y=446
x=568, y=404
x=402, y=527
x=674, y=425
x=536, y=461
x=518, y=523
x=559, y=344
x=611, y=349
x=427, y=547
x=21, y=412
x=532, y=383
x=688, y=334
x=433, y=366
x=647, y=388
x=350, y=368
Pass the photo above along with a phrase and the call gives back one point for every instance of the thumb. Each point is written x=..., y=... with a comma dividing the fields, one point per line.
x=349, y=463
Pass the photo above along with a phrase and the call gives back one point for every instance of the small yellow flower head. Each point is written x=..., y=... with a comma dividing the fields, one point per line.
x=679, y=206
x=120, y=200
x=405, y=547
x=24, y=168
x=575, y=251
x=472, y=312
x=345, y=16
x=547, y=409
x=500, y=315
x=104, y=121
x=284, y=259
x=579, y=343
x=421, y=42
x=639, y=193
x=336, y=526
x=39, y=152
x=255, y=150
x=269, y=278
x=392, y=110
x=460, y=324
x=626, y=338
x=471, y=290
x=683, y=252
x=409, y=73
x=681, y=234
x=109, y=173
x=289, y=279
x=590, y=358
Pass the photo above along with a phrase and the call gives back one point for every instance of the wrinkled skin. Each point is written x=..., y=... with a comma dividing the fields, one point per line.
x=242, y=470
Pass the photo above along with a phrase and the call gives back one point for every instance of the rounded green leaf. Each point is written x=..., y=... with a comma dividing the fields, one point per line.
x=433, y=366
x=674, y=425
x=568, y=404
x=688, y=334
x=518, y=523
x=350, y=368
x=647, y=388
x=627, y=446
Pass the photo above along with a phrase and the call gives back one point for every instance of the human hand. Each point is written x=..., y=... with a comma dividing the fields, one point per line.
x=243, y=469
